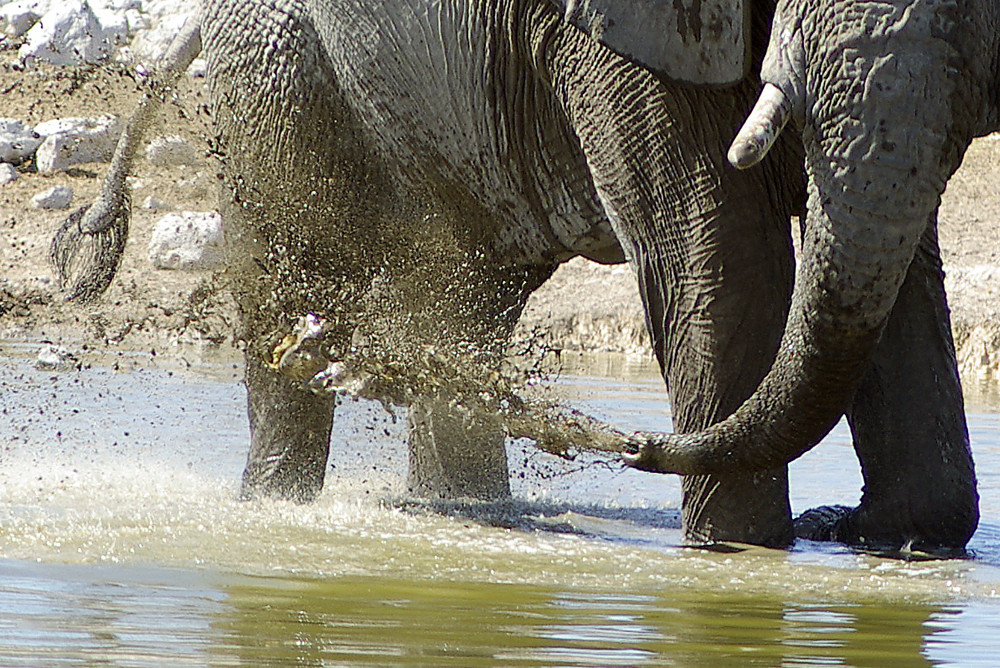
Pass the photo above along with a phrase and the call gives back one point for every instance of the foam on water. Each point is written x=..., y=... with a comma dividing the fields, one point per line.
x=187, y=521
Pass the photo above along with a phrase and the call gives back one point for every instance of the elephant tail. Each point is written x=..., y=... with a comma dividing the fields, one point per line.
x=87, y=249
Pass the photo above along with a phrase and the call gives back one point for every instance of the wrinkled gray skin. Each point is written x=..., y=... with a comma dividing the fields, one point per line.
x=452, y=154
x=521, y=142
x=888, y=96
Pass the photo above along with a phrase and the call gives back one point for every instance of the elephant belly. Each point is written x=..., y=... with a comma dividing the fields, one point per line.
x=465, y=125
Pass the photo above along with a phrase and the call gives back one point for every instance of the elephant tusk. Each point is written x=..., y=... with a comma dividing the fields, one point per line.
x=761, y=128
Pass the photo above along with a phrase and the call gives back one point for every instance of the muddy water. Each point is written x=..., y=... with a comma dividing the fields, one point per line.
x=121, y=542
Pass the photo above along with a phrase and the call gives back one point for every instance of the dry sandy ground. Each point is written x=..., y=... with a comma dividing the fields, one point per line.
x=584, y=307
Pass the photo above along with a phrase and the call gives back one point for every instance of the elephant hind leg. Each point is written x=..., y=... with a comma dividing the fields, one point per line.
x=290, y=437
x=305, y=201
x=455, y=454
x=455, y=450
x=909, y=429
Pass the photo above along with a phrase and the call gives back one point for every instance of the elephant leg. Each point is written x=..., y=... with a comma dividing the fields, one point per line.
x=715, y=341
x=455, y=454
x=909, y=429
x=711, y=247
x=305, y=201
x=453, y=451
x=289, y=436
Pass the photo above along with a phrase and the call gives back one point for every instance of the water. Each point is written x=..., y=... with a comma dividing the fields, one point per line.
x=121, y=543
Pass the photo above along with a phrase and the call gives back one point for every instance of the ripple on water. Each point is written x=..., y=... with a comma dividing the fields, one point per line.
x=119, y=524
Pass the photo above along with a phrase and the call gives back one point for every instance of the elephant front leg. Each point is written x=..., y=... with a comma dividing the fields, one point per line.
x=290, y=436
x=714, y=344
x=711, y=247
x=708, y=502
x=909, y=428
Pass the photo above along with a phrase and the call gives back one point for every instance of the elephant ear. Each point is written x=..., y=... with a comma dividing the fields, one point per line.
x=691, y=41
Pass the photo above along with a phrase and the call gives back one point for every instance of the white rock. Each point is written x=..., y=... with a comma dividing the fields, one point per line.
x=169, y=151
x=69, y=33
x=119, y=6
x=57, y=197
x=153, y=204
x=7, y=173
x=187, y=240
x=121, y=19
x=137, y=21
x=16, y=18
x=71, y=141
x=153, y=29
x=150, y=45
x=55, y=358
x=198, y=68
x=17, y=140
x=160, y=8
x=115, y=25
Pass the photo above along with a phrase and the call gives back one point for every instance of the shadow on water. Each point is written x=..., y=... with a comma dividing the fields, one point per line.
x=631, y=525
x=122, y=542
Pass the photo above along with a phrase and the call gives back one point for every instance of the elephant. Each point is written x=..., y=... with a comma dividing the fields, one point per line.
x=411, y=171
x=886, y=97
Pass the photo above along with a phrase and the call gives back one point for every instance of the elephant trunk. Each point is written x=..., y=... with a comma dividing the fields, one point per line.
x=837, y=315
x=880, y=143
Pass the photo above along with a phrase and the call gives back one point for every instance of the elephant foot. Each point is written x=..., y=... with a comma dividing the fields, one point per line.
x=825, y=523
x=260, y=484
x=856, y=528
